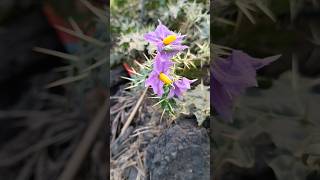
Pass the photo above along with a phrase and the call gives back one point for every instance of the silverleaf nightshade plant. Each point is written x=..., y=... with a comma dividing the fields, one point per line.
x=168, y=43
x=230, y=77
x=160, y=73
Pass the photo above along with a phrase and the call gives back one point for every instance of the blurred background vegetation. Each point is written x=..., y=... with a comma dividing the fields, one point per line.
x=51, y=104
x=128, y=26
x=274, y=134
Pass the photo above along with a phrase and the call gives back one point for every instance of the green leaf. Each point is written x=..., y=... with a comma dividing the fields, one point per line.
x=197, y=102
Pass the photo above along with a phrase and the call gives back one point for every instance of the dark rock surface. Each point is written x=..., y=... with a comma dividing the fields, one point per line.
x=180, y=152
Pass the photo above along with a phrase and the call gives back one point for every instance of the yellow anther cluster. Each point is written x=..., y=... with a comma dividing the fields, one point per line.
x=164, y=78
x=169, y=39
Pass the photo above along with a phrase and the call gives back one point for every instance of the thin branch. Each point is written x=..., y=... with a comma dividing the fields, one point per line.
x=67, y=80
x=81, y=36
x=126, y=125
x=74, y=25
x=57, y=54
x=96, y=11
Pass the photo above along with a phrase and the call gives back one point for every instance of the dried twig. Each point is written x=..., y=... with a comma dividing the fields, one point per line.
x=57, y=54
x=126, y=125
x=81, y=36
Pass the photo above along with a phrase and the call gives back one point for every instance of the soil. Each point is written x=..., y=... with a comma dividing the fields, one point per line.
x=180, y=152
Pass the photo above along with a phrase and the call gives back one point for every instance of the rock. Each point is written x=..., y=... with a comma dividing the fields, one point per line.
x=131, y=173
x=180, y=152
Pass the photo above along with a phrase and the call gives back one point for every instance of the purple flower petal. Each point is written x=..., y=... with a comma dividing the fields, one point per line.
x=156, y=38
x=152, y=37
x=178, y=41
x=231, y=76
x=155, y=83
x=222, y=101
x=180, y=86
x=160, y=65
x=171, y=93
x=175, y=49
x=162, y=31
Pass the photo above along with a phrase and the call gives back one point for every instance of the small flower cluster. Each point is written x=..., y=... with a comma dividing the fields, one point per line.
x=162, y=79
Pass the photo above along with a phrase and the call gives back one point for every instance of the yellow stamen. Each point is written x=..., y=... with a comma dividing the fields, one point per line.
x=169, y=39
x=164, y=78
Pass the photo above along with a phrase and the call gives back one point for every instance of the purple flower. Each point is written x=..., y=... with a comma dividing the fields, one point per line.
x=168, y=43
x=159, y=75
x=180, y=86
x=230, y=77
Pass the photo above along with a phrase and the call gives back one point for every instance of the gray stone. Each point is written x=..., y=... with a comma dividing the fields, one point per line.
x=180, y=152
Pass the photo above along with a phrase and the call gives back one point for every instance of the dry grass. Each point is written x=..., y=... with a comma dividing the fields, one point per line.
x=127, y=149
x=39, y=143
